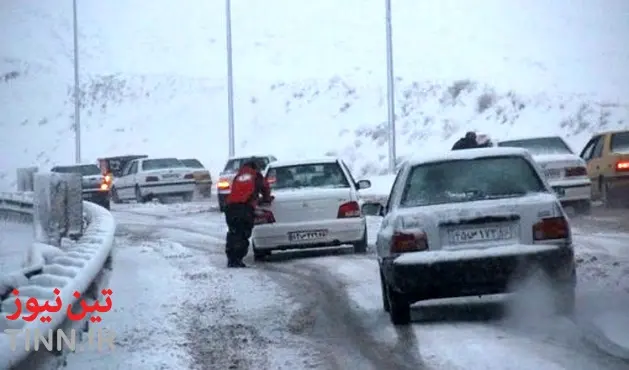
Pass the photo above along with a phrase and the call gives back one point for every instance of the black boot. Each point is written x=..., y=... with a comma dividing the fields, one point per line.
x=232, y=264
x=240, y=264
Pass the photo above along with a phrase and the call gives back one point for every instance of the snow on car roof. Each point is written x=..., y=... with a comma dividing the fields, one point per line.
x=296, y=162
x=469, y=154
x=533, y=137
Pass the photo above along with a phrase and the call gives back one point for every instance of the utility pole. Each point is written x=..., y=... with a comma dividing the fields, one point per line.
x=77, y=95
x=230, y=79
x=390, y=89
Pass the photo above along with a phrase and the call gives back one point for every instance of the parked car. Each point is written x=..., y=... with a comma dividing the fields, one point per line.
x=565, y=171
x=143, y=179
x=112, y=167
x=96, y=186
x=232, y=166
x=607, y=158
x=201, y=175
x=470, y=223
x=315, y=205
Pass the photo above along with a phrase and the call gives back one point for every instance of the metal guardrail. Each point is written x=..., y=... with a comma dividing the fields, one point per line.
x=71, y=253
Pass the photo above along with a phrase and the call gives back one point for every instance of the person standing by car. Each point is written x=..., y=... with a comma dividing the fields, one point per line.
x=248, y=185
x=466, y=142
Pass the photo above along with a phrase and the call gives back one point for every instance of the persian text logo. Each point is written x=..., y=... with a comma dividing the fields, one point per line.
x=74, y=312
x=100, y=340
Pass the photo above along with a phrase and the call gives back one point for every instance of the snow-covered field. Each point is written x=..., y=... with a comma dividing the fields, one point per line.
x=15, y=239
x=153, y=77
x=177, y=306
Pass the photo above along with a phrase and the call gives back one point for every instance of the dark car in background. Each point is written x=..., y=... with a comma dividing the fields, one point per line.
x=232, y=166
x=96, y=186
x=202, y=176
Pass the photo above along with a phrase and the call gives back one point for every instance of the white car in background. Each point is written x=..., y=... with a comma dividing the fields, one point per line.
x=315, y=205
x=565, y=171
x=223, y=186
x=470, y=223
x=146, y=178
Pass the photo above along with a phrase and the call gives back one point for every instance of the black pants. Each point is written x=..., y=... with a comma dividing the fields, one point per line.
x=239, y=218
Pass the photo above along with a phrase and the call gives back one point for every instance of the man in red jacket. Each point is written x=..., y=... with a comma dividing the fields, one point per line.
x=248, y=185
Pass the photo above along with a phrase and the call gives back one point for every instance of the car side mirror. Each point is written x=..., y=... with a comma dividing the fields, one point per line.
x=363, y=184
x=372, y=209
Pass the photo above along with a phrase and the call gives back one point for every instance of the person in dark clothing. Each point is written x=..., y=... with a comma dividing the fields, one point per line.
x=466, y=142
x=248, y=185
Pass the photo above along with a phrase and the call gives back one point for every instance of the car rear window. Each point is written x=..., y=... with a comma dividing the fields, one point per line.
x=544, y=145
x=234, y=164
x=84, y=170
x=161, y=163
x=620, y=142
x=192, y=163
x=323, y=175
x=470, y=180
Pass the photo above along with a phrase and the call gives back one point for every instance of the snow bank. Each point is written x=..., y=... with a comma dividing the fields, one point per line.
x=77, y=266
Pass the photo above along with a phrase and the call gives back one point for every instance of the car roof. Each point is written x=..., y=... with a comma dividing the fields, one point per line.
x=249, y=156
x=535, y=137
x=469, y=154
x=296, y=162
x=609, y=132
x=75, y=165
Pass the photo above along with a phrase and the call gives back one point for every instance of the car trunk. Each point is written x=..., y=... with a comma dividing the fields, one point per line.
x=92, y=182
x=554, y=166
x=491, y=225
x=167, y=175
x=621, y=163
x=302, y=205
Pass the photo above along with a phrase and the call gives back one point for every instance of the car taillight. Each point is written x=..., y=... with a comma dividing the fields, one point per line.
x=551, y=228
x=222, y=184
x=408, y=242
x=104, y=186
x=622, y=166
x=108, y=178
x=188, y=176
x=152, y=178
x=349, y=209
x=576, y=171
x=263, y=216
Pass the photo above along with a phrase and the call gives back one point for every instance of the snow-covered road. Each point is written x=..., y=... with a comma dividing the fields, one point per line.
x=15, y=239
x=177, y=306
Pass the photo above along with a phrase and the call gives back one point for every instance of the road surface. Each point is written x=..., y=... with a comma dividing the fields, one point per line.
x=177, y=306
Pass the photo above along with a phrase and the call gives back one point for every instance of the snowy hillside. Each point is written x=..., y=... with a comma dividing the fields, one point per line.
x=310, y=77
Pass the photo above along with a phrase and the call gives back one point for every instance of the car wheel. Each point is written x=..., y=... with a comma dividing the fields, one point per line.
x=361, y=246
x=399, y=307
x=383, y=287
x=114, y=196
x=187, y=197
x=138, y=195
x=259, y=255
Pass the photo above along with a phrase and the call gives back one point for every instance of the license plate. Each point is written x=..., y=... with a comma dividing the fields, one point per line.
x=307, y=235
x=486, y=234
x=170, y=176
x=552, y=173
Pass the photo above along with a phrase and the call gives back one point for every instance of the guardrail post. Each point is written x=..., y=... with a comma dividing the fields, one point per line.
x=74, y=204
x=48, y=209
x=25, y=178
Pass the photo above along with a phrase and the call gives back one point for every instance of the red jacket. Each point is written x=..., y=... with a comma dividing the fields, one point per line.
x=247, y=186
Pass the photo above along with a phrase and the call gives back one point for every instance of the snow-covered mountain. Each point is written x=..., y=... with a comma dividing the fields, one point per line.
x=309, y=76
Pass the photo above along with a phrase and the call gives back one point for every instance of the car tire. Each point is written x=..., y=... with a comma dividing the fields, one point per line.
x=187, y=197
x=383, y=288
x=399, y=307
x=114, y=196
x=138, y=195
x=259, y=255
x=360, y=247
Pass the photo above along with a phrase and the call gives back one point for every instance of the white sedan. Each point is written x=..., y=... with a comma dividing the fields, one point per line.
x=565, y=171
x=315, y=205
x=469, y=223
x=145, y=178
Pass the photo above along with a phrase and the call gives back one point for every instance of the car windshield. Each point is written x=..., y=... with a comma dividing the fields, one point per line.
x=84, y=170
x=544, y=145
x=322, y=175
x=620, y=142
x=470, y=180
x=234, y=164
x=161, y=163
x=192, y=163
